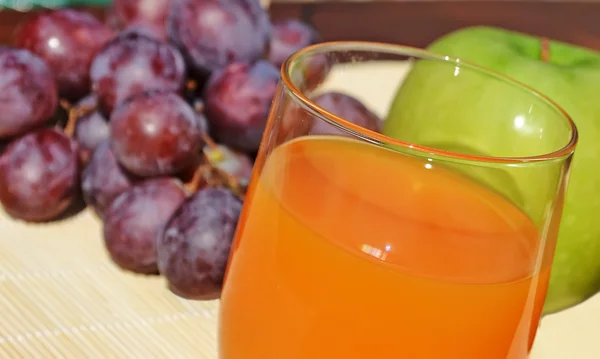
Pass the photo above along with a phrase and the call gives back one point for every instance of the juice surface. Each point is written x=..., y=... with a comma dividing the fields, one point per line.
x=347, y=250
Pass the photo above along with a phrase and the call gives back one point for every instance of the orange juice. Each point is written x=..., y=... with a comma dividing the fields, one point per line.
x=346, y=250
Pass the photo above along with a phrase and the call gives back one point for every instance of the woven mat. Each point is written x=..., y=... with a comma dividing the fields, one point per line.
x=61, y=297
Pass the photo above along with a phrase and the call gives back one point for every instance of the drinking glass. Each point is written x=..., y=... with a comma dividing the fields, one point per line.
x=435, y=242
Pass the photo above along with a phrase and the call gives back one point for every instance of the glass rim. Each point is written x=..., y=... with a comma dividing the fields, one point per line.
x=379, y=47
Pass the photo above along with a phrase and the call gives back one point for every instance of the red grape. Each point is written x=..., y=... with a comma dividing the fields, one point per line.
x=198, y=106
x=39, y=175
x=103, y=179
x=91, y=128
x=134, y=221
x=148, y=13
x=194, y=246
x=133, y=63
x=67, y=40
x=142, y=30
x=314, y=70
x=290, y=36
x=215, y=33
x=111, y=19
x=238, y=100
x=349, y=109
x=27, y=92
x=156, y=134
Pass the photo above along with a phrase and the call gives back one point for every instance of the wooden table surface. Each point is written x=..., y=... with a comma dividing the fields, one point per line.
x=417, y=23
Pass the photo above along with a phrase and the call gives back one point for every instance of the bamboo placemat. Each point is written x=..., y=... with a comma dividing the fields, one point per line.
x=61, y=297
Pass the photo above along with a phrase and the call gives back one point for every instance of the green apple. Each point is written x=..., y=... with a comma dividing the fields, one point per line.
x=567, y=74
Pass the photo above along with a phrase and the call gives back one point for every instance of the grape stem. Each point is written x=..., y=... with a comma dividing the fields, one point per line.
x=230, y=182
x=211, y=176
x=216, y=155
x=210, y=142
x=199, y=107
x=75, y=113
x=199, y=178
x=66, y=105
x=191, y=86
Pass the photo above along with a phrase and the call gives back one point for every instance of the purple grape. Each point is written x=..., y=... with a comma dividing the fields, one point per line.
x=142, y=30
x=347, y=108
x=238, y=100
x=195, y=244
x=91, y=129
x=290, y=36
x=134, y=221
x=28, y=95
x=150, y=14
x=133, y=63
x=111, y=19
x=39, y=178
x=215, y=33
x=103, y=179
x=156, y=134
x=67, y=40
x=315, y=70
x=198, y=106
x=234, y=163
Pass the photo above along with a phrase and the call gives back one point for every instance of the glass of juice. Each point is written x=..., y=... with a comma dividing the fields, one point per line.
x=434, y=242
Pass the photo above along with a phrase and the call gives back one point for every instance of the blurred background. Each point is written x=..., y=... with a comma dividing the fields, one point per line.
x=410, y=22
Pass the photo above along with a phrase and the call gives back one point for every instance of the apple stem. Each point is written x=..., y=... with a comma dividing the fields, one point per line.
x=545, y=50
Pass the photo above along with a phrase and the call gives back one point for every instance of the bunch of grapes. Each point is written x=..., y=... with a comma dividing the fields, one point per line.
x=153, y=118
